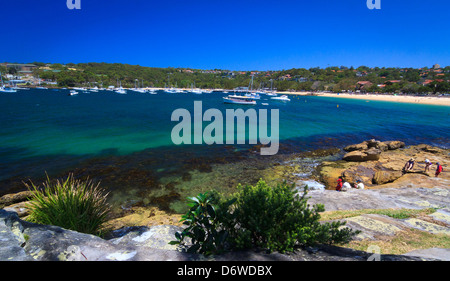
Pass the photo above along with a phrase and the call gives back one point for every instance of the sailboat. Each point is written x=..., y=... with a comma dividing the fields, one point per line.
x=251, y=94
x=195, y=90
x=93, y=89
x=3, y=89
x=272, y=92
x=121, y=90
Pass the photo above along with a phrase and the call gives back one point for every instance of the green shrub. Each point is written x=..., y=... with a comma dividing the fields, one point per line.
x=71, y=204
x=203, y=223
x=276, y=219
x=279, y=219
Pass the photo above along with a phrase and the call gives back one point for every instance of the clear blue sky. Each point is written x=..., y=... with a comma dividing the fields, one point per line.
x=233, y=34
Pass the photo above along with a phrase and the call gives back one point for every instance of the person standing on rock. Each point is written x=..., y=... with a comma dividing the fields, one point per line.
x=438, y=169
x=409, y=165
x=427, y=165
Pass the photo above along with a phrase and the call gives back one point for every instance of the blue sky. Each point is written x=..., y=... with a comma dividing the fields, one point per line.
x=234, y=34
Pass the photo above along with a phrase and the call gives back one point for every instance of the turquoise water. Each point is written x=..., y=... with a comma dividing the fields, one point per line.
x=49, y=131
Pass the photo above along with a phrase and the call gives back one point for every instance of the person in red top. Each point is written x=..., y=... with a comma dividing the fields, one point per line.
x=438, y=169
x=339, y=185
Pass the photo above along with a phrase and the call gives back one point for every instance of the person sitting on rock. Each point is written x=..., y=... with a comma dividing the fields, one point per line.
x=409, y=165
x=346, y=186
x=359, y=184
x=438, y=169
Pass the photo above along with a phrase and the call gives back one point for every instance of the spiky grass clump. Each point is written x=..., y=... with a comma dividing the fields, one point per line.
x=71, y=204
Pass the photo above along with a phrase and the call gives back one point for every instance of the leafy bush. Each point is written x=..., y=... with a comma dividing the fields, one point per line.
x=203, y=224
x=280, y=219
x=277, y=219
x=71, y=204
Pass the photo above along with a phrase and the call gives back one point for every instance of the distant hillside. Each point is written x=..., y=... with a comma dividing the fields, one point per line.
x=408, y=80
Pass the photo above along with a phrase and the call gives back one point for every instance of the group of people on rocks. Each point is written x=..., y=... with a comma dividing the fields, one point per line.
x=410, y=165
x=344, y=186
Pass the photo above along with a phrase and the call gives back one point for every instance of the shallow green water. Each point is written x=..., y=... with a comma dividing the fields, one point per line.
x=126, y=139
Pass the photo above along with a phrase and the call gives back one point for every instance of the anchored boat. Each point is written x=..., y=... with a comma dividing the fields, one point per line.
x=234, y=99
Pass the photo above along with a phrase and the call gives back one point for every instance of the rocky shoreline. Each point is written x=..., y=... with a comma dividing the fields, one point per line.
x=142, y=233
x=381, y=164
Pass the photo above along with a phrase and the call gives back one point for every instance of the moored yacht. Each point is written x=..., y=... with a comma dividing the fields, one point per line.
x=234, y=99
x=282, y=98
x=3, y=89
x=7, y=90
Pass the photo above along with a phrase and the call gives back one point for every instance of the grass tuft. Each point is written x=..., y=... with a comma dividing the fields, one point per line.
x=71, y=204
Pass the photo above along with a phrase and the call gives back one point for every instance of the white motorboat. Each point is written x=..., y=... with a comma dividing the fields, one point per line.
x=3, y=89
x=170, y=90
x=73, y=93
x=197, y=91
x=139, y=90
x=234, y=99
x=121, y=91
x=7, y=90
x=282, y=98
x=94, y=90
x=253, y=95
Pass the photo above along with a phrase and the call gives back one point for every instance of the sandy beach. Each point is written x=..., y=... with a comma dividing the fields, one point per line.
x=408, y=99
x=445, y=101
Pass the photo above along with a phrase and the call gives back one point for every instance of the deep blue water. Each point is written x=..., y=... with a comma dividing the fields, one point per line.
x=47, y=130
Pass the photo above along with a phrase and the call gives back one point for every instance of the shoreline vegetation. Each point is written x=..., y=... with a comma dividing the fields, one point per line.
x=427, y=85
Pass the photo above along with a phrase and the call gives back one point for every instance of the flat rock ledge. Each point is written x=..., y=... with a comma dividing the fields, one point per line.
x=25, y=241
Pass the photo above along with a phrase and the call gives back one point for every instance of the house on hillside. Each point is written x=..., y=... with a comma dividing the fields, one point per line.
x=285, y=77
x=363, y=85
x=21, y=68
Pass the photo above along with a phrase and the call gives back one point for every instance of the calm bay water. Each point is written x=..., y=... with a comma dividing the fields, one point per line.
x=49, y=131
